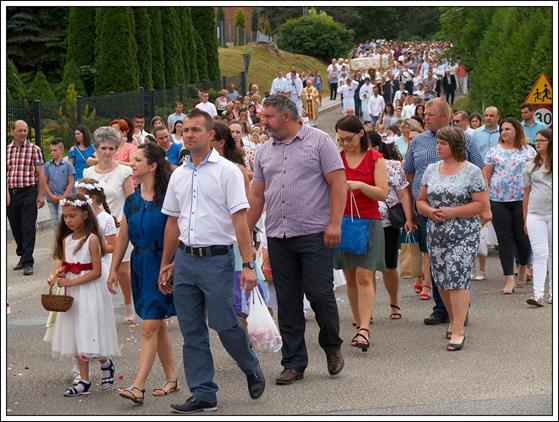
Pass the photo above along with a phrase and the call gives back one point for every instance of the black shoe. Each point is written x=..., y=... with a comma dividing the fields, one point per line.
x=289, y=376
x=335, y=362
x=193, y=405
x=18, y=267
x=256, y=384
x=454, y=347
x=28, y=269
x=436, y=318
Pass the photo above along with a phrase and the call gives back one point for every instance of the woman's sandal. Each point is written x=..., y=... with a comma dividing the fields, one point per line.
x=417, y=287
x=395, y=315
x=362, y=345
x=425, y=296
x=107, y=382
x=448, y=335
x=81, y=389
x=160, y=392
x=520, y=281
x=508, y=289
x=128, y=394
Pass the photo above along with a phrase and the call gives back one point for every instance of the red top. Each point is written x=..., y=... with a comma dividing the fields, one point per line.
x=364, y=172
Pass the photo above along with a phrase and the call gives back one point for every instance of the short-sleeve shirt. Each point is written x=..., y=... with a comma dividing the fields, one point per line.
x=112, y=185
x=506, y=181
x=80, y=157
x=532, y=131
x=296, y=193
x=486, y=139
x=396, y=182
x=106, y=224
x=57, y=175
x=21, y=164
x=364, y=172
x=175, y=118
x=541, y=184
x=203, y=198
x=173, y=152
x=125, y=152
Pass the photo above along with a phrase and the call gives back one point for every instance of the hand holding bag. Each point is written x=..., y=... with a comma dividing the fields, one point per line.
x=411, y=263
x=355, y=231
x=57, y=302
x=262, y=330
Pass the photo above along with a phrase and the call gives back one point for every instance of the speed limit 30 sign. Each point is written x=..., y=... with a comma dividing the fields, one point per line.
x=544, y=114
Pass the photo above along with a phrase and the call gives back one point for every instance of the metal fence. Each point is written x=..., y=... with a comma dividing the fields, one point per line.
x=44, y=116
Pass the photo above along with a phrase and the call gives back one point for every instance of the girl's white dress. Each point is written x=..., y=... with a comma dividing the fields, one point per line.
x=88, y=328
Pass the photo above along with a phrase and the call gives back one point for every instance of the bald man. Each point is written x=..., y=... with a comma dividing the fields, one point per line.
x=26, y=186
x=487, y=136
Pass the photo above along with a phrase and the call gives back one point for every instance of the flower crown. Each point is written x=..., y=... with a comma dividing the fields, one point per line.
x=90, y=186
x=76, y=202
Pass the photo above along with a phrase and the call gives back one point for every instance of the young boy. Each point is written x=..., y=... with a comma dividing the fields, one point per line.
x=60, y=180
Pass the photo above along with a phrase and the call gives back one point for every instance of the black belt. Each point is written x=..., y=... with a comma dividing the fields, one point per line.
x=206, y=250
x=25, y=189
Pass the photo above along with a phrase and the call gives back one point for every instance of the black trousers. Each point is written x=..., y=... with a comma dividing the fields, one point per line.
x=450, y=97
x=333, y=90
x=300, y=265
x=22, y=215
x=508, y=222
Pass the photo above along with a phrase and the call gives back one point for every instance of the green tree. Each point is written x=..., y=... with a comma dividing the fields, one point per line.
x=254, y=20
x=203, y=19
x=143, y=41
x=116, y=61
x=185, y=26
x=191, y=44
x=201, y=63
x=220, y=14
x=171, y=50
x=157, y=60
x=316, y=34
x=14, y=84
x=267, y=28
x=41, y=89
x=81, y=36
x=239, y=24
x=71, y=75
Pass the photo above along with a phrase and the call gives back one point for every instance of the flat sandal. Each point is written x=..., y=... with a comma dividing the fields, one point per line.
x=173, y=389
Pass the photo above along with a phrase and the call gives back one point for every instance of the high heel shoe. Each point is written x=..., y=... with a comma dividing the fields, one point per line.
x=363, y=345
x=520, y=281
x=508, y=289
x=425, y=296
x=453, y=347
x=448, y=335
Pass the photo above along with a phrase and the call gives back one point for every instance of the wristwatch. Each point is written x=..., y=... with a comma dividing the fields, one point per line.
x=249, y=264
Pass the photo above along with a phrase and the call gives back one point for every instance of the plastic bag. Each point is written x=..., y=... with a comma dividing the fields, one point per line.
x=262, y=330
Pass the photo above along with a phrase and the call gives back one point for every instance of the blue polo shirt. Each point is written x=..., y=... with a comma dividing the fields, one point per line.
x=532, y=131
x=422, y=151
x=173, y=153
x=57, y=176
x=486, y=139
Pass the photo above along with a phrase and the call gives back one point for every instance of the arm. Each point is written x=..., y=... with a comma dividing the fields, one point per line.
x=50, y=195
x=405, y=199
x=424, y=207
x=246, y=177
x=71, y=158
x=40, y=170
x=478, y=204
x=110, y=242
x=92, y=161
x=256, y=201
x=95, y=273
x=128, y=186
x=170, y=243
x=338, y=192
x=486, y=214
x=69, y=186
x=525, y=202
x=119, y=249
x=379, y=192
x=248, y=276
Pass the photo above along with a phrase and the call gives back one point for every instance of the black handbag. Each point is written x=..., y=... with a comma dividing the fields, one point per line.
x=396, y=215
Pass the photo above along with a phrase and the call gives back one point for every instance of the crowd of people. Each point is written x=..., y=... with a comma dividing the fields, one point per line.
x=241, y=194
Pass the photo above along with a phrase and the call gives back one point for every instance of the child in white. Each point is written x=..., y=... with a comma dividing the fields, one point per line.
x=87, y=330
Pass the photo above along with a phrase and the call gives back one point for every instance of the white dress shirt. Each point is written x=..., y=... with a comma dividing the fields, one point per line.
x=376, y=105
x=208, y=108
x=204, y=198
x=279, y=85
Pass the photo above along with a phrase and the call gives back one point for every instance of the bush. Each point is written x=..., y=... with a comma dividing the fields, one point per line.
x=14, y=84
x=41, y=89
x=316, y=34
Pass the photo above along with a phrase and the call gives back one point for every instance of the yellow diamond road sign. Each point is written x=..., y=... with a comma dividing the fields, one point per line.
x=540, y=92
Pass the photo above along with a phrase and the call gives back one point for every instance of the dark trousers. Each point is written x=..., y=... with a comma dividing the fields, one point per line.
x=508, y=222
x=450, y=97
x=22, y=215
x=333, y=90
x=300, y=265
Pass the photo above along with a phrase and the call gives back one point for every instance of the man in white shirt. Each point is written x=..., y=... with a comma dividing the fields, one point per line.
x=376, y=106
x=399, y=93
x=409, y=109
x=177, y=115
x=279, y=84
x=206, y=205
x=295, y=87
x=205, y=105
x=365, y=94
x=461, y=120
x=139, y=122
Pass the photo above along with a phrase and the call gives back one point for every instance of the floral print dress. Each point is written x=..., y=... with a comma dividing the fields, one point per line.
x=452, y=244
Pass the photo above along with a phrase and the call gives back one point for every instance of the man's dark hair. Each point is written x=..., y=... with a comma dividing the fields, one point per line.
x=196, y=112
x=57, y=143
x=158, y=129
x=528, y=106
x=139, y=116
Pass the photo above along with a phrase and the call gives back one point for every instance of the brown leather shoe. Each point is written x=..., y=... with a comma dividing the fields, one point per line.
x=335, y=362
x=289, y=376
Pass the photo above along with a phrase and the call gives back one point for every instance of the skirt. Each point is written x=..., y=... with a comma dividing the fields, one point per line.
x=372, y=260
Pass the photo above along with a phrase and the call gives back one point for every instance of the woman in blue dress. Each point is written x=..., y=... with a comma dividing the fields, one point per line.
x=143, y=224
x=80, y=152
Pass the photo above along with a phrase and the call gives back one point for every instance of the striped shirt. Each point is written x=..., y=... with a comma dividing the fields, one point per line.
x=21, y=163
x=296, y=193
x=422, y=151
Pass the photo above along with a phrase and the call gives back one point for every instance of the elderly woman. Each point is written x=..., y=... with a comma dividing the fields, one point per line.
x=117, y=181
x=452, y=195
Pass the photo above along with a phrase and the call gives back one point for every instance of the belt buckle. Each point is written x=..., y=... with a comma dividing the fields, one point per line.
x=200, y=252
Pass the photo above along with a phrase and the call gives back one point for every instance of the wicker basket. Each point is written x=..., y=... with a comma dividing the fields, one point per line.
x=57, y=303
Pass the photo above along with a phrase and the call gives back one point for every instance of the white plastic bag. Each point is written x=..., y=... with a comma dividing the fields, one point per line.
x=263, y=333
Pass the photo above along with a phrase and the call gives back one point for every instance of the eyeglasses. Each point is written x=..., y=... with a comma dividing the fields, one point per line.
x=539, y=141
x=456, y=121
x=347, y=140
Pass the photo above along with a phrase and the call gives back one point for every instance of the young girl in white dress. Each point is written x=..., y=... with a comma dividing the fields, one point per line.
x=87, y=330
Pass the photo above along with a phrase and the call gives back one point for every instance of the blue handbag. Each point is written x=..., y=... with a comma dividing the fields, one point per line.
x=355, y=232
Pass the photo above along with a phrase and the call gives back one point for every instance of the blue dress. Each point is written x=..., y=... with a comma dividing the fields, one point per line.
x=146, y=225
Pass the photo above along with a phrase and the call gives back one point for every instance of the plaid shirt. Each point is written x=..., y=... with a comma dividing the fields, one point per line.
x=21, y=165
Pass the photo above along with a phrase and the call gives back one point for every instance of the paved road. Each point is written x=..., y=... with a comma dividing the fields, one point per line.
x=505, y=367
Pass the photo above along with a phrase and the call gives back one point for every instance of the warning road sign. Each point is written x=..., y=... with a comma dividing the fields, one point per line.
x=540, y=92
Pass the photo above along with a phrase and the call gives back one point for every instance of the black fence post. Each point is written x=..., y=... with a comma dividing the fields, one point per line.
x=79, y=110
x=142, y=100
x=152, y=103
x=243, y=83
x=224, y=82
x=37, y=123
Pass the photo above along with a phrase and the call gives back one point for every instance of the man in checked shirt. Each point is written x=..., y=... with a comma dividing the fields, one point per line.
x=26, y=186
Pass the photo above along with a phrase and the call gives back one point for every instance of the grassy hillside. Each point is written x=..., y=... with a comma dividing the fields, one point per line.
x=265, y=63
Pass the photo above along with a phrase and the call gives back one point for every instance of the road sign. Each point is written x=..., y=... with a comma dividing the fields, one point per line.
x=544, y=114
x=540, y=92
